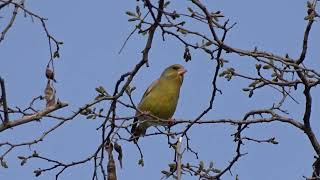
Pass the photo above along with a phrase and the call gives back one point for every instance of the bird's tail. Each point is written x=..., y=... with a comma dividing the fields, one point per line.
x=137, y=133
x=137, y=130
x=135, y=136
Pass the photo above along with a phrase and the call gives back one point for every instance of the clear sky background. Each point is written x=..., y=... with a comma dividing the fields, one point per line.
x=94, y=31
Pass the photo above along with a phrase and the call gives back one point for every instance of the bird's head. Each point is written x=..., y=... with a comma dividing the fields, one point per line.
x=175, y=71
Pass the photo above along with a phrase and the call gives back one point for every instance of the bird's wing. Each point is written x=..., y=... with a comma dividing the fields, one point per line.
x=149, y=89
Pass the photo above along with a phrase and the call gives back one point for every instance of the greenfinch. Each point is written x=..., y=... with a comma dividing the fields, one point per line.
x=160, y=100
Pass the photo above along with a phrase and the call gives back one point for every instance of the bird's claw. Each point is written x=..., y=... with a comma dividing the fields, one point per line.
x=171, y=121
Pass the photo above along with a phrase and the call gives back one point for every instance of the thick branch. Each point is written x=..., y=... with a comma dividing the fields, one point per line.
x=33, y=117
x=305, y=42
x=4, y=101
x=306, y=120
x=311, y=14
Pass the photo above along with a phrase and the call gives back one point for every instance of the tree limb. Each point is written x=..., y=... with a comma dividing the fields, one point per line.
x=34, y=117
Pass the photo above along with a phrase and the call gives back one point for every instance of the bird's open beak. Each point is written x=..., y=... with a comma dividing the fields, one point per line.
x=182, y=71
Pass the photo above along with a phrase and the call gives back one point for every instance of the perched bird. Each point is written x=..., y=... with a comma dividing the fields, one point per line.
x=160, y=99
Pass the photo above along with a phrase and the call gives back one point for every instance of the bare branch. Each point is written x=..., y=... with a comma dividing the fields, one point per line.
x=34, y=117
x=4, y=101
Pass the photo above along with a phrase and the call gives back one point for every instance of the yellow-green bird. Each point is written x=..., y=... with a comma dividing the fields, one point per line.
x=160, y=99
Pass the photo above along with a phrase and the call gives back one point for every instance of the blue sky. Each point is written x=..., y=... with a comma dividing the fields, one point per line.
x=93, y=32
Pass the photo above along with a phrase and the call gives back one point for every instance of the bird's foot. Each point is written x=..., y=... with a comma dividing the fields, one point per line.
x=171, y=121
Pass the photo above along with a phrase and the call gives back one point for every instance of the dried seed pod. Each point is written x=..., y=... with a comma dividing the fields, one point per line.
x=49, y=94
x=50, y=74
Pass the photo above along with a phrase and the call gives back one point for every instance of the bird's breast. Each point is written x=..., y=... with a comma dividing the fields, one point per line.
x=161, y=104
